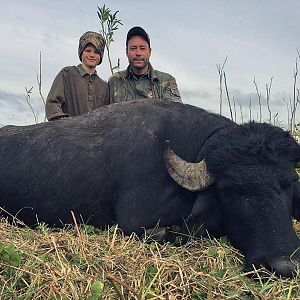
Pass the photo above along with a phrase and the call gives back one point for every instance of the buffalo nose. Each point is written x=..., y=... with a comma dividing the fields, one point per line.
x=285, y=267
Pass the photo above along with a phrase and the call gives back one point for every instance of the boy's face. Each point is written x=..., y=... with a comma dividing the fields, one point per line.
x=90, y=57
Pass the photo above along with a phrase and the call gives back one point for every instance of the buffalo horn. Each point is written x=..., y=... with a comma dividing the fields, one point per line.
x=192, y=176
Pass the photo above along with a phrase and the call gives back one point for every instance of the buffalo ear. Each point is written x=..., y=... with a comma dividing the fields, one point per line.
x=207, y=212
x=203, y=204
x=296, y=201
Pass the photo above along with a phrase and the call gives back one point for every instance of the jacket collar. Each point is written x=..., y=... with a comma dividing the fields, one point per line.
x=82, y=71
x=151, y=73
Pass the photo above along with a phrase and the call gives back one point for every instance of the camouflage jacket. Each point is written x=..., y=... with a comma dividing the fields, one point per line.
x=75, y=92
x=125, y=86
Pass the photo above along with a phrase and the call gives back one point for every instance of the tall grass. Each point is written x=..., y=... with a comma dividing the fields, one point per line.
x=86, y=263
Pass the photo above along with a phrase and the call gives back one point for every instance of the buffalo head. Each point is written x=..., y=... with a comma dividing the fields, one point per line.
x=254, y=189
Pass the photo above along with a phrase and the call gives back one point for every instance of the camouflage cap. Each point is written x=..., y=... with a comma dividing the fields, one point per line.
x=137, y=31
x=93, y=38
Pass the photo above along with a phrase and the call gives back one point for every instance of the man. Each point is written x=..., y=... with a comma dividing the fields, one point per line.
x=140, y=80
x=78, y=89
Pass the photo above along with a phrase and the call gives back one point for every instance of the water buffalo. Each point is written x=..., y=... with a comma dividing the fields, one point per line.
x=150, y=162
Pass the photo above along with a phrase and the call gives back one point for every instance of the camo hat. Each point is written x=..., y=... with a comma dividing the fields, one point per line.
x=93, y=38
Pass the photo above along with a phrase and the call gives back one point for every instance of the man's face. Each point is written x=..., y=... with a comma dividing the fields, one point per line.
x=90, y=57
x=138, y=53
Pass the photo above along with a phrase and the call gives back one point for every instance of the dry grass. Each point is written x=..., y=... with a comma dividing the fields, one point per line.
x=92, y=264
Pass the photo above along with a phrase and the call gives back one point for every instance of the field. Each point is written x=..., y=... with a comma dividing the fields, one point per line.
x=86, y=263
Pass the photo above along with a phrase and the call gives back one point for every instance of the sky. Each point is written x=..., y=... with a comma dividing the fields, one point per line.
x=189, y=39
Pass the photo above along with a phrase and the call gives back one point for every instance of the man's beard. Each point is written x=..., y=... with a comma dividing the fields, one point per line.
x=145, y=64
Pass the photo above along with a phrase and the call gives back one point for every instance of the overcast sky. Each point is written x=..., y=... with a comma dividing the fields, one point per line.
x=188, y=39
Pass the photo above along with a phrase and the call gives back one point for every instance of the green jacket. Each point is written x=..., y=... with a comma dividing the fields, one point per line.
x=74, y=92
x=125, y=86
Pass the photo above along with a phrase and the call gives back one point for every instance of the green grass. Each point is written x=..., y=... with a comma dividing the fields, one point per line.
x=87, y=263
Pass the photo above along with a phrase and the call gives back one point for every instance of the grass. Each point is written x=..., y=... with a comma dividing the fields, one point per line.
x=86, y=263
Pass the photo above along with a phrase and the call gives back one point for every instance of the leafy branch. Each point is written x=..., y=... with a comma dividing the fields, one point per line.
x=109, y=24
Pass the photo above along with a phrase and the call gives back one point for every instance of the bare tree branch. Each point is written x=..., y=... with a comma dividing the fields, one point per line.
x=259, y=100
x=241, y=110
x=250, y=108
x=234, y=109
x=268, y=91
x=227, y=94
x=28, y=96
x=221, y=74
x=294, y=106
x=39, y=81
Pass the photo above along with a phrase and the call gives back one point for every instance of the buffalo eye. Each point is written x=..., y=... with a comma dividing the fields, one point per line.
x=286, y=182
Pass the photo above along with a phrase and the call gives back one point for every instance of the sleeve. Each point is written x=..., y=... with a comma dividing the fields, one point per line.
x=113, y=90
x=56, y=99
x=109, y=98
x=171, y=91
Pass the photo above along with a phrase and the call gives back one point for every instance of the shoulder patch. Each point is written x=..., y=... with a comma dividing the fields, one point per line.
x=120, y=74
x=65, y=69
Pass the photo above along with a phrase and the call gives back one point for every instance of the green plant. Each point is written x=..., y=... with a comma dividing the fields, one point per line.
x=109, y=24
x=9, y=254
x=97, y=290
